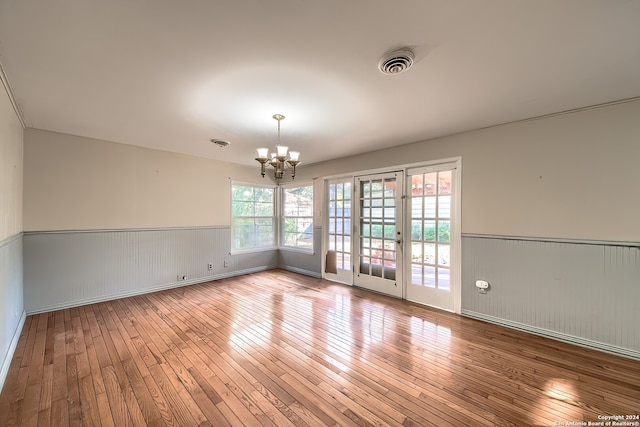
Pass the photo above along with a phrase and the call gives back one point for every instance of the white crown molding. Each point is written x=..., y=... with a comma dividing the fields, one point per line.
x=7, y=88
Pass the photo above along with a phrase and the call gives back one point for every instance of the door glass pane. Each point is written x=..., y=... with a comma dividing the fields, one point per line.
x=444, y=255
x=429, y=230
x=444, y=207
x=444, y=229
x=430, y=183
x=416, y=274
x=429, y=276
x=444, y=182
x=429, y=207
x=416, y=229
x=429, y=254
x=416, y=185
x=444, y=279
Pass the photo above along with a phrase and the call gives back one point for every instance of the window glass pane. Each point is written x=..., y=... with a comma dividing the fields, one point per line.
x=347, y=191
x=376, y=230
x=263, y=209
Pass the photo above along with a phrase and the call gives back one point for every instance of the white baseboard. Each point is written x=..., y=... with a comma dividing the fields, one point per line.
x=559, y=336
x=301, y=271
x=148, y=290
x=6, y=362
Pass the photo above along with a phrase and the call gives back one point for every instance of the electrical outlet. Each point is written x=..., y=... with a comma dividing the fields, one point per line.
x=181, y=277
x=210, y=266
x=226, y=263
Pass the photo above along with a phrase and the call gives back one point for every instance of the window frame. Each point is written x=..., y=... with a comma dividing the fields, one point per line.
x=274, y=218
x=283, y=217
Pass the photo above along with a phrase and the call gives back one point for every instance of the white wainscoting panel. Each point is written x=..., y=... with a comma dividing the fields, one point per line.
x=65, y=269
x=583, y=292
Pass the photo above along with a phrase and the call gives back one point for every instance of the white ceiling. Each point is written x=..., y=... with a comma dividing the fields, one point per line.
x=171, y=74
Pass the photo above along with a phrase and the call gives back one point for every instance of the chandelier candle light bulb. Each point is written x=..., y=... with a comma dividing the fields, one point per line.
x=280, y=159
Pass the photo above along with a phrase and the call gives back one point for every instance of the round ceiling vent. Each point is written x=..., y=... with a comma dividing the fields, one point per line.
x=396, y=62
x=221, y=142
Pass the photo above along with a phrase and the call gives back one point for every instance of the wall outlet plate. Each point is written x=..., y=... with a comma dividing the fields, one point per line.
x=482, y=284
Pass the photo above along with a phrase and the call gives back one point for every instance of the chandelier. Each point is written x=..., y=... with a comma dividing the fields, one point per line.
x=280, y=159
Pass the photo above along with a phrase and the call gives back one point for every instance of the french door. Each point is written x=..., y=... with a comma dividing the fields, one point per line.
x=378, y=233
x=434, y=239
x=339, y=200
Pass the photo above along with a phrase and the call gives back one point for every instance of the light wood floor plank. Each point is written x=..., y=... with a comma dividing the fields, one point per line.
x=280, y=349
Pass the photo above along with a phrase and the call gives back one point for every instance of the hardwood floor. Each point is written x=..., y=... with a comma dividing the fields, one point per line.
x=277, y=349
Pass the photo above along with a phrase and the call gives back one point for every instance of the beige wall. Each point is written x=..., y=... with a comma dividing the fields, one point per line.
x=570, y=176
x=10, y=169
x=573, y=176
x=76, y=183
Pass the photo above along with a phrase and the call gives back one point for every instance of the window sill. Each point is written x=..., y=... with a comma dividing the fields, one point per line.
x=299, y=250
x=252, y=250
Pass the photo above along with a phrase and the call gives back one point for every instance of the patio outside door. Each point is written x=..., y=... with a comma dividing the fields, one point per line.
x=378, y=235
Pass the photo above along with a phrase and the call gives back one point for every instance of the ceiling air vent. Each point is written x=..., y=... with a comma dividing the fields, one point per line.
x=220, y=142
x=396, y=62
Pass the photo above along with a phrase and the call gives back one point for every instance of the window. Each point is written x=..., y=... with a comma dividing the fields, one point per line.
x=297, y=217
x=252, y=217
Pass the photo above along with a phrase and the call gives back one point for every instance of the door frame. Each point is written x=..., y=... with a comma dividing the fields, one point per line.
x=456, y=239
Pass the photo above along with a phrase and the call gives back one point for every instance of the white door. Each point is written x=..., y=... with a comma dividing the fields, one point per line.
x=378, y=234
x=433, y=236
x=339, y=200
